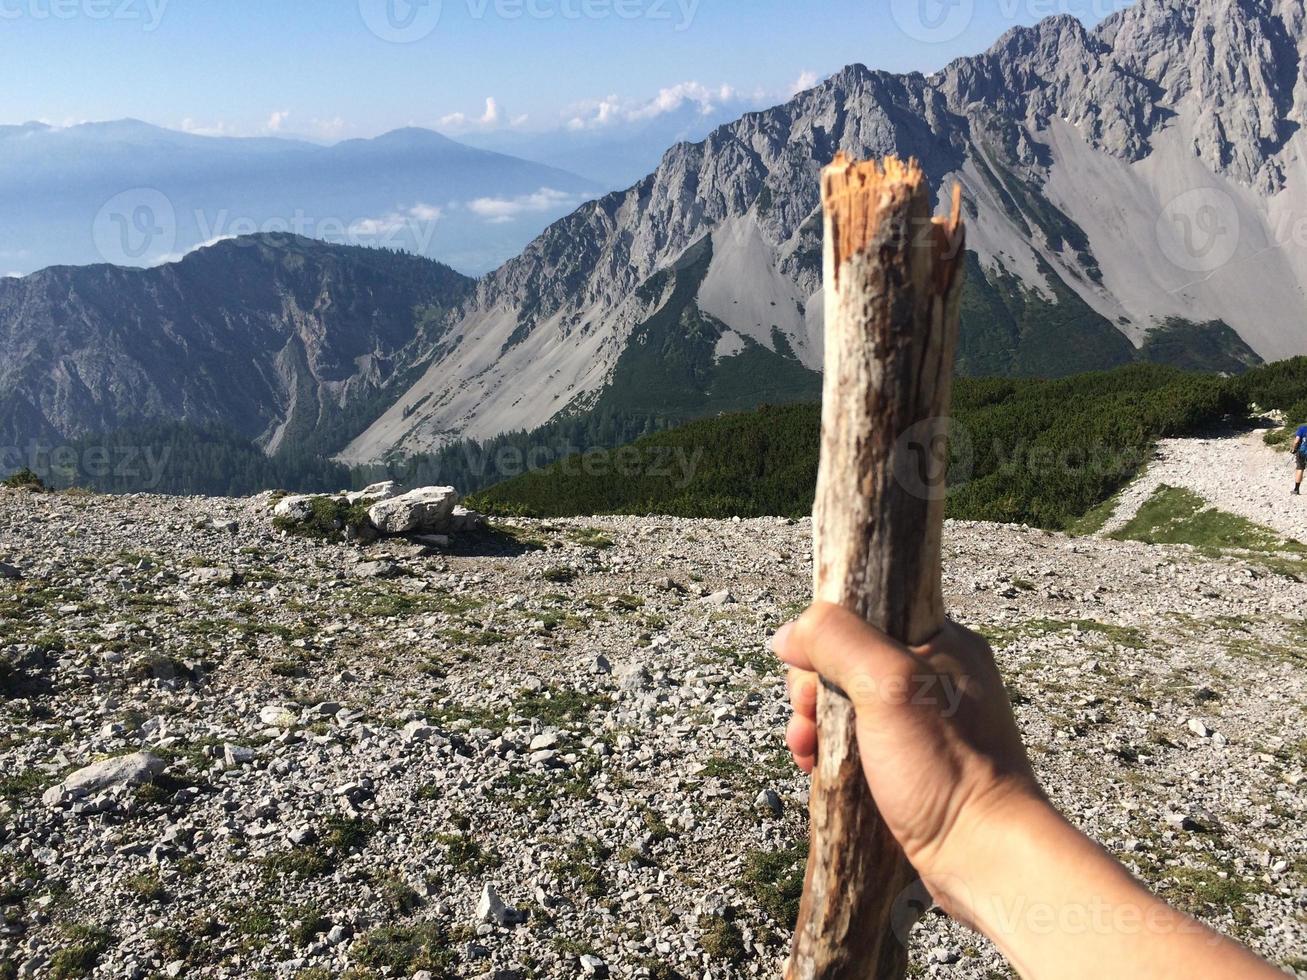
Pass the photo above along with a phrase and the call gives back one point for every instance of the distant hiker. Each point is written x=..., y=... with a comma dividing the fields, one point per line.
x=1300, y=458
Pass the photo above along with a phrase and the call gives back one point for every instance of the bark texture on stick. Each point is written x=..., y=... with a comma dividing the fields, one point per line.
x=893, y=288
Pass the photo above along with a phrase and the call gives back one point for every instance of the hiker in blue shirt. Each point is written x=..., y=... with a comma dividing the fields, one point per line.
x=1300, y=458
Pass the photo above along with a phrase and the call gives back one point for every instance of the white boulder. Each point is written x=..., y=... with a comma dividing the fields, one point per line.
x=423, y=511
x=377, y=492
x=296, y=507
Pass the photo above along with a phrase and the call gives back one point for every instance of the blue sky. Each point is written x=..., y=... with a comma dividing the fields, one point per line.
x=331, y=69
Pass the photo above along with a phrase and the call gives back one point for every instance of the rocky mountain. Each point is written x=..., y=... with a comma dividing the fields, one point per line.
x=288, y=341
x=134, y=194
x=1134, y=191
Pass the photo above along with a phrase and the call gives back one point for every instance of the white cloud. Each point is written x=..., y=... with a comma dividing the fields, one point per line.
x=198, y=129
x=805, y=81
x=276, y=121
x=605, y=112
x=12, y=275
x=399, y=220
x=499, y=210
x=489, y=119
x=172, y=257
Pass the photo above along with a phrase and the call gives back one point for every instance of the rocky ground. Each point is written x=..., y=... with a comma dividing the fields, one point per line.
x=581, y=715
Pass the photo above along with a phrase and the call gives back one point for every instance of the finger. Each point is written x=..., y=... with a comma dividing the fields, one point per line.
x=780, y=640
x=803, y=692
x=801, y=737
x=848, y=652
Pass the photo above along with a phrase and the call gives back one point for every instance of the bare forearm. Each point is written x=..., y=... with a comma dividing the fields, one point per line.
x=1058, y=906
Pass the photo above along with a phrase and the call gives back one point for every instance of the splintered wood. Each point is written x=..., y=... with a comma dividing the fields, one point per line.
x=893, y=288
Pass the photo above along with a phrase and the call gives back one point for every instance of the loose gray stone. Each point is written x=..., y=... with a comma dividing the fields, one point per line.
x=278, y=716
x=127, y=770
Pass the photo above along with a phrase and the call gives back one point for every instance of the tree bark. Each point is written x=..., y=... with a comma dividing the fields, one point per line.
x=893, y=289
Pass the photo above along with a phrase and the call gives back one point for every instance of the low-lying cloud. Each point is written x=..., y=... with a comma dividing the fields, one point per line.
x=500, y=210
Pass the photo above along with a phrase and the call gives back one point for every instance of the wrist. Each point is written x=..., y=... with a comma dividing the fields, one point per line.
x=993, y=842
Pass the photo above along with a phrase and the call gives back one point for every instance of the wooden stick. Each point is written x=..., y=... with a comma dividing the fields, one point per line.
x=893, y=289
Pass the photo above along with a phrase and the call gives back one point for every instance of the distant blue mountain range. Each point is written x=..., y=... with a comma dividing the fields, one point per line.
x=130, y=193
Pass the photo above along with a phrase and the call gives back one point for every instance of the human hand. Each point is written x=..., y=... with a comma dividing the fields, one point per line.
x=939, y=745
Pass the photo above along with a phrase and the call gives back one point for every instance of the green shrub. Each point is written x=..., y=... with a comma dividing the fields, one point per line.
x=330, y=519
x=24, y=479
x=1025, y=451
x=79, y=952
x=774, y=879
x=722, y=939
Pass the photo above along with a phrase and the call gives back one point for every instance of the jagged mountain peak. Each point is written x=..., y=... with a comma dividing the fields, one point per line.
x=1065, y=139
x=1119, y=181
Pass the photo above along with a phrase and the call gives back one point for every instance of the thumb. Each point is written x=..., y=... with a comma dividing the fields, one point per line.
x=849, y=653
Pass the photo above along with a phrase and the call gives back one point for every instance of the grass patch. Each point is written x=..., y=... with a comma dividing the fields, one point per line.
x=583, y=862
x=1173, y=515
x=342, y=838
x=1125, y=636
x=1095, y=519
x=590, y=537
x=147, y=887
x=721, y=939
x=1204, y=891
x=774, y=879
x=79, y=952
x=556, y=706
x=466, y=854
x=403, y=950
x=307, y=924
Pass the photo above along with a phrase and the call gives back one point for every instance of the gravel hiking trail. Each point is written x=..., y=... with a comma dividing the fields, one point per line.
x=1237, y=472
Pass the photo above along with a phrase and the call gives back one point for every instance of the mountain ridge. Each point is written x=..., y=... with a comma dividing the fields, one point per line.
x=1072, y=144
x=284, y=339
x=1089, y=160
